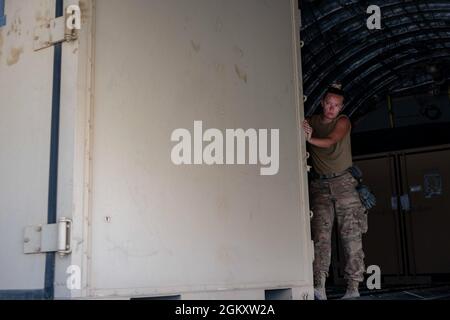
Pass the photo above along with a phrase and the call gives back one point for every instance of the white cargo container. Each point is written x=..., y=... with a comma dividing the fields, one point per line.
x=91, y=205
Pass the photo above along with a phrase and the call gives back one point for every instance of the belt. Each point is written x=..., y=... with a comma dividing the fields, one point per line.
x=328, y=176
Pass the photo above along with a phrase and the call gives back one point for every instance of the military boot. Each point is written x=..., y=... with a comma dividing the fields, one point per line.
x=352, y=290
x=319, y=286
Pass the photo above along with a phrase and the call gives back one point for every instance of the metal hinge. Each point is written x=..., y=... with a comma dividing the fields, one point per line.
x=48, y=238
x=405, y=202
x=394, y=202
x=308, y=168
x=53, y=32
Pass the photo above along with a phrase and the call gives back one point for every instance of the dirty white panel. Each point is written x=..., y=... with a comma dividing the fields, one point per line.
x=25, y=117
x=159, y=228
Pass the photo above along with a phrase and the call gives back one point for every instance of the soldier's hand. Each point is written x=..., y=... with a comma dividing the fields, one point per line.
x=308, y=130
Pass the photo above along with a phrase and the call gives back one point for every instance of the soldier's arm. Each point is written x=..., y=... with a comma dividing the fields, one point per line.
x=343, y=126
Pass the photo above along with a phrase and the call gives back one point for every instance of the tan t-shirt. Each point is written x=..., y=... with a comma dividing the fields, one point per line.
x=334, y=159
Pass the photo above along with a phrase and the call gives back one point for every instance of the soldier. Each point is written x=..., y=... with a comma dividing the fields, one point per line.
x=333, y=193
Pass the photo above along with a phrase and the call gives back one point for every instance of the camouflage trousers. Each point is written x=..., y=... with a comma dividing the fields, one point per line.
x=338, y=197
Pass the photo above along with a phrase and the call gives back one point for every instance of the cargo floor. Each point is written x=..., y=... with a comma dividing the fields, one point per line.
x=441, y=292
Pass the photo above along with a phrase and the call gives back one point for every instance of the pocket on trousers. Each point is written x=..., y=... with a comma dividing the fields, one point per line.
x=363, y=220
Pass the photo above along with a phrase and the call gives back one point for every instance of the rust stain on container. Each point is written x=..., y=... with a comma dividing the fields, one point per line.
x=16, y=27
x=240, y=73
x=14, y=56
x=195, y=46
x=238, y=51
x=42, y=19
x=84, y=8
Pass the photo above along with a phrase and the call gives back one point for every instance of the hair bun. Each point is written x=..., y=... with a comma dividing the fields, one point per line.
x=336, y=88
x=336, y=85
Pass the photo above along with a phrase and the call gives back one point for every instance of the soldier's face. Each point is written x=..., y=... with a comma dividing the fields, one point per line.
x=332, y=105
